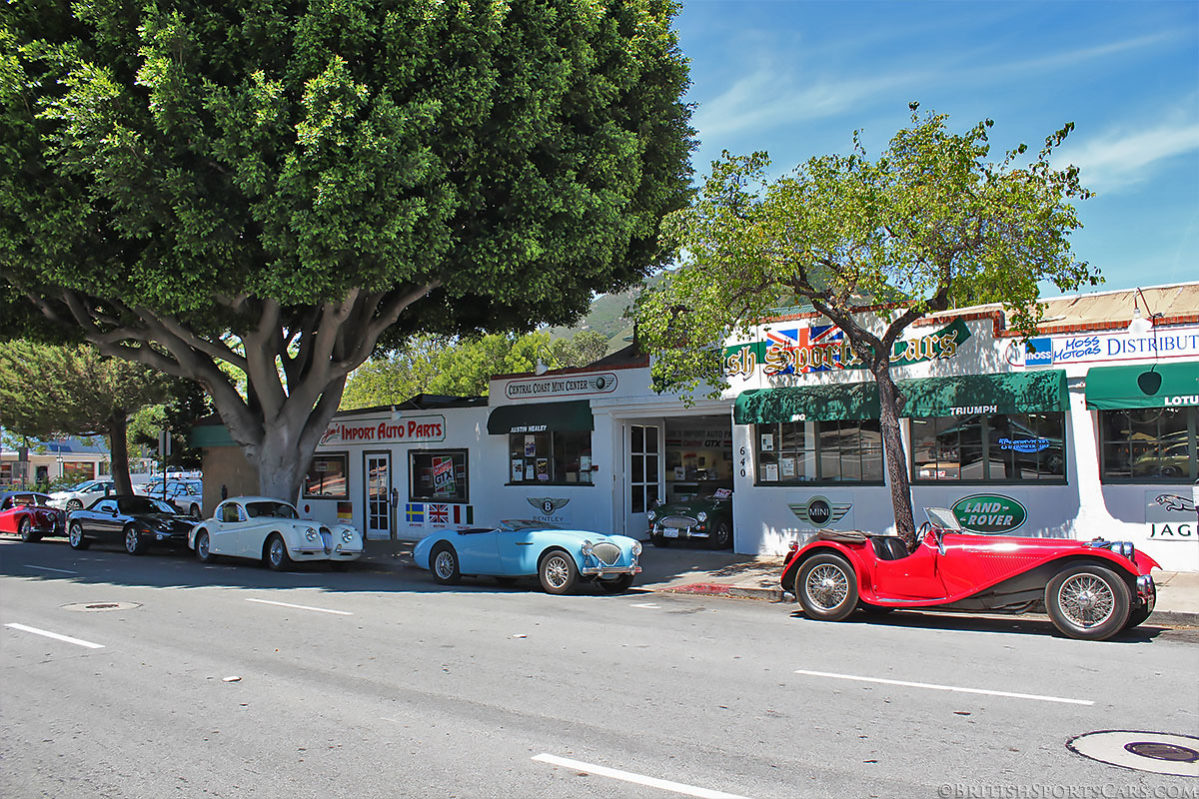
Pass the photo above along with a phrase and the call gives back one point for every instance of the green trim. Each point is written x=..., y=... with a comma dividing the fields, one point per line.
x=210, y=435
x=968, y=395
x=1113, y=388
x=793, y=404
x=570, y=416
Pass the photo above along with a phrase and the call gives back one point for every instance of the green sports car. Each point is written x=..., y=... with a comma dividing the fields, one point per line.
x=707, y=516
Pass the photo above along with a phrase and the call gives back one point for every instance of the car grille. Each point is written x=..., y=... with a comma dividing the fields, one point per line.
x=678, y=521
x=327, y=539
x=607, y=552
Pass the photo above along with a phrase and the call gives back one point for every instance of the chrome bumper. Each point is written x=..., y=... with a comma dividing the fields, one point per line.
x=1147, y=591
x=604, y=571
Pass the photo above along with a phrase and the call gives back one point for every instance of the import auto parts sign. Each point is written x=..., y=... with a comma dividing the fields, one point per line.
x=990, y=513
x=416, y=429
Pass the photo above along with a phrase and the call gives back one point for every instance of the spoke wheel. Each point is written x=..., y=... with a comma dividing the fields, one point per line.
x=74, y=504
x=26, y=530
x=202, y=552
x=1086, y=601
x=444, y=565
x=558, y=572
x=722, y=536
x=277, y=558
x=75, y=536
x=134, y=544
x=827, y=588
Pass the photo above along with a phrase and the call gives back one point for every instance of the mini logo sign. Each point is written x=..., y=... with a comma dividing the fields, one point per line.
x=990, y=513
x=819, y=512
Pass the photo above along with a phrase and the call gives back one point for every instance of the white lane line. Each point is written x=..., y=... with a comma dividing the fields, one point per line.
x=300, y=607
x=48, y=569
x=933, y=687
x=55, y=636
x=639, y=779
x=645, y=605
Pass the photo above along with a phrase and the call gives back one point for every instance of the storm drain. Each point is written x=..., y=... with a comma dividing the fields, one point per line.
x=1156, y=752
x=97, y=607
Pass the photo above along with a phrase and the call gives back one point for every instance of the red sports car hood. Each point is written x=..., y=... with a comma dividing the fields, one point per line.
x=1038, y=550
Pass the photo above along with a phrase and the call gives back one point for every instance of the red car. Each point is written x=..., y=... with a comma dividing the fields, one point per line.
x=1091, y=589
x=27, y=514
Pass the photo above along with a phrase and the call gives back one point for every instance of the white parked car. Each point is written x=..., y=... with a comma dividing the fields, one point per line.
x=270, y=530
x=186, y=495
x=80, y=496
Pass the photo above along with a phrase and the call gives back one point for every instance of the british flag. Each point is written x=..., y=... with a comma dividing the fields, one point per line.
x=805, y=340
x=439, y=514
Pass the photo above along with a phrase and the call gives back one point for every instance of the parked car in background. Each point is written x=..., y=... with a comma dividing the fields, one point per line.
x=271, y=531
x=135, y=521
x=1091, y=589
x=186, y=495
x=80, y=496
x=708, y=517
x=30, y=515
x=560, y=559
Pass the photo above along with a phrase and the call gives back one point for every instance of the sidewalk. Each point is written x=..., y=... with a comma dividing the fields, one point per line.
x=699, y=571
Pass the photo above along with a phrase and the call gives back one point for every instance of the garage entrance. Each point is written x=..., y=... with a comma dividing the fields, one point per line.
x=699, y=456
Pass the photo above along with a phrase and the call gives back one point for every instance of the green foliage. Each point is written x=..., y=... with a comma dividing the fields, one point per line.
x=929, y=222
x=438, y=365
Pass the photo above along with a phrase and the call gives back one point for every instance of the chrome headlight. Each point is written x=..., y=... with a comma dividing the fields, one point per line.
x=1127, y=549
x=347, y=536
x=587, y=547
x=651, y=515
x=702, y=516
x=310, y=534
x=636, y=548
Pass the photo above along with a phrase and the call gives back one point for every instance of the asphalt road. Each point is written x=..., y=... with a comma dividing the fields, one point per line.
x=363, y=684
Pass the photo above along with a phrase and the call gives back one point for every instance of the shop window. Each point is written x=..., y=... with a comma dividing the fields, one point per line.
x=78, y=471
x=437, y=476
x=1148, y=445
x=326, y=478
x=834, y=451
x=1004, y=447
x=550, y=457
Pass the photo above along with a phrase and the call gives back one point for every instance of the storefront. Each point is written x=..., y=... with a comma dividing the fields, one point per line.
x=1087, y=430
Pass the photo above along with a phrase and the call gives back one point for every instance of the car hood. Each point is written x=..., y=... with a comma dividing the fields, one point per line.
x=691, y=507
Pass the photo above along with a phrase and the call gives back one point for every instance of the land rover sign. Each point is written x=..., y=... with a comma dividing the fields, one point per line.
x=989, y=513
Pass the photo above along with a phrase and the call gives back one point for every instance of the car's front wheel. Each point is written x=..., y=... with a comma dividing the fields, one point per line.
x=194, y=511
x=276, y=555
x=203, y=554
x=74, y=504
x=1087, y=601
x=134, y=544
x=827, y=587
x=75, y=536
x=721, y=536
x=444, y=565
x=616, y=585
x=25, y=529
x=558, y=572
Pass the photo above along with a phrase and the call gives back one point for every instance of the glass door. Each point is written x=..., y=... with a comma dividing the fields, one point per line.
x=644, y=471
x=379, y=521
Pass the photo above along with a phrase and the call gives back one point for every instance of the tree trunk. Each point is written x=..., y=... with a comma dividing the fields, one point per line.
x=118, y=447
x=895, y=456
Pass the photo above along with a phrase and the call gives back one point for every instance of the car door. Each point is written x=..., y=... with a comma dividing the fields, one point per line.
x=915, y=577
x=518, y=551
x=101, y=520
x=227, y=526
x=478, y=553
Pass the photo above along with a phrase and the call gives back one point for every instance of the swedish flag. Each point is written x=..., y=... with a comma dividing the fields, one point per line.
x=414, y=513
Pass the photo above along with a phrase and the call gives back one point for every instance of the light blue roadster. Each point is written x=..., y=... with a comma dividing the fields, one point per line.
x=561, y=559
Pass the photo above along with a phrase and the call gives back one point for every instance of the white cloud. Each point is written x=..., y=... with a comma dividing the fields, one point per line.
x=1122, y=159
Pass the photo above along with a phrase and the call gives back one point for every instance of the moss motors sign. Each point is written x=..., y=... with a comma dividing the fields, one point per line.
x=989, y=513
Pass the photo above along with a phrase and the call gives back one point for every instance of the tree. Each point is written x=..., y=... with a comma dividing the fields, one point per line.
x=185, y=404
x=929, y=221
x=439, y=365
x=49, y=391
x=284, y=187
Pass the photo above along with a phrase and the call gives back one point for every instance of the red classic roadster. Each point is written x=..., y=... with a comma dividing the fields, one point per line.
x=28, y=514
x=1091, y=589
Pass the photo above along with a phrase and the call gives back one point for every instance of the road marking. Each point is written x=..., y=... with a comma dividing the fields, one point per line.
x=933, y=687
x=646, y=605
x=628, y=776
x=55, y=636
x=48, y=569
x=300, y=607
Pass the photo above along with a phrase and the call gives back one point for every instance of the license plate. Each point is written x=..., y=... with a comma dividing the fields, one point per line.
x=670, y=532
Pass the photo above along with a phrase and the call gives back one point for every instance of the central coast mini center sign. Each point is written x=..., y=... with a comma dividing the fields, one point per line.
x=561, y=386
x=416, y=429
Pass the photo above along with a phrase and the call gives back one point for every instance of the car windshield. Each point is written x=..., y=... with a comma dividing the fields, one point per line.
x=278, y=510
x=143, y=505
x=943, y=518
x=513, y=525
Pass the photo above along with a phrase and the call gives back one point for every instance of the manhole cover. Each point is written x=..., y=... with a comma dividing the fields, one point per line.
x=97, y=607
x=1158, y=752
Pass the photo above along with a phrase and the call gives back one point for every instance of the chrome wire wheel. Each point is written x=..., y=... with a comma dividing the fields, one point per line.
x=202, y=547
x=277, y=552
x=556, y=571
x=827, y=586
x=1086, y=600
x=443, y=564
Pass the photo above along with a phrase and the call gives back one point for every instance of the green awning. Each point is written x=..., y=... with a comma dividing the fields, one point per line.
x=537, y=417
x=210, y=435
x=967, y=395
x=794, y=404
x=1159, y=385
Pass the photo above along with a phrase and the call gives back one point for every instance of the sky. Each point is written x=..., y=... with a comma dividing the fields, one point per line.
x=796, y=78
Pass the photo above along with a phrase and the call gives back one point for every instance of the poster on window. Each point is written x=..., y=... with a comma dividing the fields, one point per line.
x=770, y=472
x=443, y=476
x=788, y=467
x=768, y=442
x=530, y=446
x=518, y=470
x=543, y=469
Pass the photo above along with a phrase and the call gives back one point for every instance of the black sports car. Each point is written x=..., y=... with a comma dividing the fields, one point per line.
x=135, y=520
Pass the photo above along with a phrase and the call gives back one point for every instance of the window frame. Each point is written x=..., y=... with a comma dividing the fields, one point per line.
x=989, y=437
x=1192, y=430
x=344, y=455
x=430, y=453
x=817, y=450
x=553, y=443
